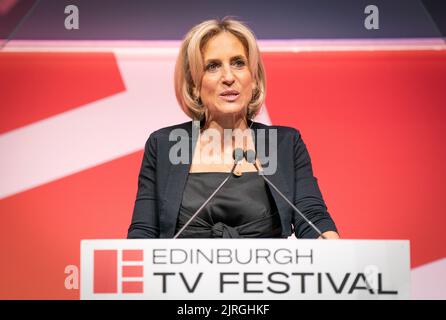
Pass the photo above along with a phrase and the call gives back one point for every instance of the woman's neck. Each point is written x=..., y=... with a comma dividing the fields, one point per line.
x=235, y=126
x=222, y=122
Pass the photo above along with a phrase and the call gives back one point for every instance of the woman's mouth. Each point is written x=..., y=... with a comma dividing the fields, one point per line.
x=229, y=95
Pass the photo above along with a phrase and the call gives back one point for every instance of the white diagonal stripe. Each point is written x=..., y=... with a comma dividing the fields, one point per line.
x=97, y=132
x=429, y=281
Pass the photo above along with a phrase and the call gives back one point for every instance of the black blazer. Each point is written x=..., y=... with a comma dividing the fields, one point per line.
x=161, y=185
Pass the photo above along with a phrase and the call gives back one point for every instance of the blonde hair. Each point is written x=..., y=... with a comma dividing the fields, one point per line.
x=189, y=68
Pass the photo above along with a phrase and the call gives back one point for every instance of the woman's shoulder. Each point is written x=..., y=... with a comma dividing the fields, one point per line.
x=179, y=126
x=281, y=130
x=165, y=132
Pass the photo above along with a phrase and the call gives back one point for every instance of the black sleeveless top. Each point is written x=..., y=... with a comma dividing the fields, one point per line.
x=242, y=208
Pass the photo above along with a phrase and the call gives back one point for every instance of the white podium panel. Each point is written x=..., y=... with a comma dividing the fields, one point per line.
x=248, y=269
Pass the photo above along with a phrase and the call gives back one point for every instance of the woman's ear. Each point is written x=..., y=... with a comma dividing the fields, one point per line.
x=255, y=90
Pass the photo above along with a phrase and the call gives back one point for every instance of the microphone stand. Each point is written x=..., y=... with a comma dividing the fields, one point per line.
x=250, y=156
x=238, y=156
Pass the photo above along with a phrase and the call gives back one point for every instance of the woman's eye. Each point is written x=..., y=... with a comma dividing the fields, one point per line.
x=239, y=63
x=211, y=66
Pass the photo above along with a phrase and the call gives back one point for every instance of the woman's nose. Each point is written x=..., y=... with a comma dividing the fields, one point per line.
x=228, y=76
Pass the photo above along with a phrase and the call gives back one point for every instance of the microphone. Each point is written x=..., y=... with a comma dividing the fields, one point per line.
x=250, y=156
x=238, y=156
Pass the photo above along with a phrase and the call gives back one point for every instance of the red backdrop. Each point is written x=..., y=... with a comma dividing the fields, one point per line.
x=374, y=123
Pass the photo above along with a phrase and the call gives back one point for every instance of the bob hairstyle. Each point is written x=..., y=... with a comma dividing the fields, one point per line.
x=189, y=68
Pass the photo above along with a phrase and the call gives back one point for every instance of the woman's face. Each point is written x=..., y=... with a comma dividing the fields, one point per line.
x=227, y=84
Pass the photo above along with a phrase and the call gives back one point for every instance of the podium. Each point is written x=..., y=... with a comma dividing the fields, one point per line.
x=246, y=269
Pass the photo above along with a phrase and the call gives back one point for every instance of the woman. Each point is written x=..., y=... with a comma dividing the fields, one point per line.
x=220, y=81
